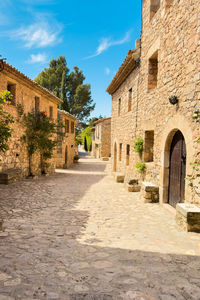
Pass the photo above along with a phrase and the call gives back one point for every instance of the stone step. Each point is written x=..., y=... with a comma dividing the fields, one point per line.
x=133, y=188
x=105, y=158
x=10, y=176
x=188, y=217
x=150, y=192
x=119, y=177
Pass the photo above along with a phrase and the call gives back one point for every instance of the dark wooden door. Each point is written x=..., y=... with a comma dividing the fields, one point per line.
x=177, y=169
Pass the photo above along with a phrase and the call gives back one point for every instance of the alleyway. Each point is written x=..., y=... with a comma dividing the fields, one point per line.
x=79, y=235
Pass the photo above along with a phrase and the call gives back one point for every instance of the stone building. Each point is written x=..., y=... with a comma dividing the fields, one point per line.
x=14, y=164
x=155, y=94
x=101, y=138
x=66, y=144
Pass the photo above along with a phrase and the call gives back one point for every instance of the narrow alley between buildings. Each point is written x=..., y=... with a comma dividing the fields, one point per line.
x=78, y=234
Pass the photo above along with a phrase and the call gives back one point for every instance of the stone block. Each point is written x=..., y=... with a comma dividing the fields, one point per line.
x=133, y=188
x=188, y=217
x=105, y=158
x=10, y=176
x=119, y=177
x=150, y=192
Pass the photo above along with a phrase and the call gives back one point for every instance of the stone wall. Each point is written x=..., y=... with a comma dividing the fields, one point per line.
x=101, y=142
x=66, y=145
x=170, y=43
x=25, y=92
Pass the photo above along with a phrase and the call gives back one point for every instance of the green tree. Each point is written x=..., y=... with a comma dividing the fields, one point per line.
x=70, y=88
x=40, y=136
x=5, y=120
x=51, y=78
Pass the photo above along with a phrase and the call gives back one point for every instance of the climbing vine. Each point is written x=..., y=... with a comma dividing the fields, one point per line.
x=5, y=121
x=40, y=136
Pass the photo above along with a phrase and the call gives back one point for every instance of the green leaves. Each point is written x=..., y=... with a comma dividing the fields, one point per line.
x=138, y=146
x=5, y=120
x=40, y=135
x=70, y=88
x=141, y=167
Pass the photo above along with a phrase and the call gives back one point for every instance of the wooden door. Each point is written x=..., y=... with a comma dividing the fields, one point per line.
x=177, y=170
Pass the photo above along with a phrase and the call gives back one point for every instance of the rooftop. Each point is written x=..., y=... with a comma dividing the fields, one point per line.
x=11, y=69
x=128, y=65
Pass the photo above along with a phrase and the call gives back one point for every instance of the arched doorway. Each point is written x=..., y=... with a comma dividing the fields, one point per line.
x=66, y=157
x=177, y=169
x=115, y=158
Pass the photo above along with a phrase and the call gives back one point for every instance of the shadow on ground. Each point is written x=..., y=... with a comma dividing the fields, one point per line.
x=41, y=257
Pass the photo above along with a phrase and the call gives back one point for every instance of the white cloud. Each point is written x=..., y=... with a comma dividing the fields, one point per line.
x=38, y=58
x=38, y=35
x=107, y=70
x=106, y=43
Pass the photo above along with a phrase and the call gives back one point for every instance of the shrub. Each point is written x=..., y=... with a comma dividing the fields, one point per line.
x=141, y=167
x=138, y=146
x=5, y=120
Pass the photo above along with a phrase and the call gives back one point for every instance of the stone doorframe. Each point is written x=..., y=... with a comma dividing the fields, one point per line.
x=176, y=123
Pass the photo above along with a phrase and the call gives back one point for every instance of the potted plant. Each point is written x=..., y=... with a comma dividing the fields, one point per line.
x=76, y=158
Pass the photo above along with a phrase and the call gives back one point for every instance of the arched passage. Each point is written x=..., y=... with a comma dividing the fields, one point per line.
x=115, y=158
x=177, y=123
x=177, y=169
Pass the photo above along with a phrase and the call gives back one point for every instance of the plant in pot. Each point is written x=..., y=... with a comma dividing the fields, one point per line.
x=76, y=158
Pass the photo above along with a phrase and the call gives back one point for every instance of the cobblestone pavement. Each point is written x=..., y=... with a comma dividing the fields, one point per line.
x=79, y=235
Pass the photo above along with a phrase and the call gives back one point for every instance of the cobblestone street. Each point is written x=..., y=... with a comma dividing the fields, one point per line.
x=78, y=234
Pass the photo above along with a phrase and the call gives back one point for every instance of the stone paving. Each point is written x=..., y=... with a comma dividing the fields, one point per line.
x=77, y=234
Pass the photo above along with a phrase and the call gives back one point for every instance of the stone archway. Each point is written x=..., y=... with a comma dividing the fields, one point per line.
x=177, y=123
x=115, y=158
x=177, y=169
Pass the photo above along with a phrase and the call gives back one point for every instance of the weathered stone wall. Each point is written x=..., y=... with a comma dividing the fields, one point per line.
x=66, y=146
x=25, y=93
x=106, y=138
x=101, y=142
x=171, y=37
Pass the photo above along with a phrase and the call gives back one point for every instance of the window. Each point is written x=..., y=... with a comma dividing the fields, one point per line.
x=119, y=107
x=72, y=127
x=168, y=3
x=155, y=5
x=120, y=152
x=37, y=104
x=66, y=126
x=127, y=154
x=12, y=89
x=153, y=71
x=148, y=146
x=50, y=111
x=130, y=99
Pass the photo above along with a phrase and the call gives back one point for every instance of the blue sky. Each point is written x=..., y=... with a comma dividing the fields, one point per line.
x=93, y=35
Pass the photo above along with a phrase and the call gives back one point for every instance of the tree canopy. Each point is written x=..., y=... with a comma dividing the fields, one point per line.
x=69, y=87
